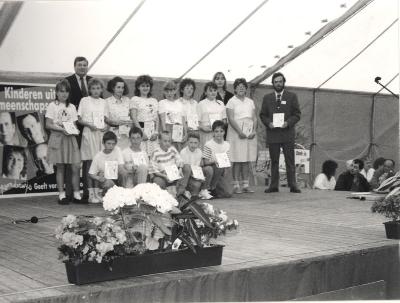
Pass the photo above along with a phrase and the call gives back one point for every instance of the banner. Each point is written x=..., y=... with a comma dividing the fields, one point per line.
x=23, y=139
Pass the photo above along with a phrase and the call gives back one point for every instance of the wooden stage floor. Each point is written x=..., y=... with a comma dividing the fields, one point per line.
x=274, y=228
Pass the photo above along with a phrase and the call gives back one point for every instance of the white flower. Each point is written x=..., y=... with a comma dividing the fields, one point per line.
x=208, y=209
x=98, y=221
x=72, y=240
x=69, y=221
x=235, y=223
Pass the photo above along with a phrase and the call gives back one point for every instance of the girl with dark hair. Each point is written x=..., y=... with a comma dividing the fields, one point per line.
x=14, y=162
x=209, y=110
x=187, y=87
x=222, y=94
x=63, y=147
x=144, y=112
x=118, y=108
x=326, y=179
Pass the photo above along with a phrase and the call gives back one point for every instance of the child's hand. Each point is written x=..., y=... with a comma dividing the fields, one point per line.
x=65, y=132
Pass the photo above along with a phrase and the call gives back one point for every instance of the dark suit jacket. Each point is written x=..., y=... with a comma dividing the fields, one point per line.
x=75, y=95
x=345, y=182
x=292, y=115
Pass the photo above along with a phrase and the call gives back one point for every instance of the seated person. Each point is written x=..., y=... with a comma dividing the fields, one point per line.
x=326, y=179
x=106, y=168
x=352, y=180
x=368, y=174
x=192, y=155
x=382, y=173
x=221, y=182
x=166, y=155
x=136, y=160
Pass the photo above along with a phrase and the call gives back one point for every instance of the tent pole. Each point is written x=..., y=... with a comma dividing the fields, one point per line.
x=8, y=12
x=116, y=34
x=313, y=143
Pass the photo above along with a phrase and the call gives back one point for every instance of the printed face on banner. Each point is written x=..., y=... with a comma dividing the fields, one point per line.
x=14, y=162
x=31, y=128
x=7, y=128
x=39, y=154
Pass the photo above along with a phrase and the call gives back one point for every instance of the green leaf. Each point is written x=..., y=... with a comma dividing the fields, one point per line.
x=188, y=243
x=158, y=222
x=200, y=214
x=192, y=232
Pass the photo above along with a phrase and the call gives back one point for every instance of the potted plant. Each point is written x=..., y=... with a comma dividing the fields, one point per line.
x=145, y=231
x=389, y=206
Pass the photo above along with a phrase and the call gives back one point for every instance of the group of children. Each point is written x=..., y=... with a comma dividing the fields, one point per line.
x=175, y=143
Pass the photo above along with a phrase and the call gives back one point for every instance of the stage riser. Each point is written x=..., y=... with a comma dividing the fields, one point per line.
x=285, y=281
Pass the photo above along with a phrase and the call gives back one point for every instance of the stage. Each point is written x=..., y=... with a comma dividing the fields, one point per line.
x=314, y=245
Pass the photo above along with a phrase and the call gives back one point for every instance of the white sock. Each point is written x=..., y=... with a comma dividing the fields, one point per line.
x=77, y=195
x=61, y=195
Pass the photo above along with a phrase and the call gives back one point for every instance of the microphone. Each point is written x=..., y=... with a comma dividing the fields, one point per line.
x=377, y=79
x=33, y=219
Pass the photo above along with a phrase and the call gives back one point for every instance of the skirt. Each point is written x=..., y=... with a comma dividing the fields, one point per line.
x=241, y=150
x=91, y=143
x=63, y=149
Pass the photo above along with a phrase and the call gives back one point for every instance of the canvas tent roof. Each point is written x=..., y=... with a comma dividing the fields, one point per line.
x=166, y=38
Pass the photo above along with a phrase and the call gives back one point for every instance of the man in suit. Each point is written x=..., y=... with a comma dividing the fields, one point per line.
x=79, y=89
x=281, y=135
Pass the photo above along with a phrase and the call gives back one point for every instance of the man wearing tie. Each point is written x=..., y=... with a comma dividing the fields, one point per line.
x=78, y=83
x=280, y=112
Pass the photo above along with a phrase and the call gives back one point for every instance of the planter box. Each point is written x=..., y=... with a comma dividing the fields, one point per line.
x=392, y=229
x=131, y=266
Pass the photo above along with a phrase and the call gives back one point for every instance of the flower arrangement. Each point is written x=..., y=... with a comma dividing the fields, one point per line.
x=389, y=206
x=140, y=220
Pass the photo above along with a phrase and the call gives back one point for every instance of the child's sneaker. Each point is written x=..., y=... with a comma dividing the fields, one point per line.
x=247, y=190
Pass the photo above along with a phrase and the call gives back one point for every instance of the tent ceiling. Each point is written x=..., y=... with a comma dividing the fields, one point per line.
x=165, y=38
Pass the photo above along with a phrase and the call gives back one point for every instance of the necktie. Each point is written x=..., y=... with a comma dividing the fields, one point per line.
x=83, y=87
x=278, y=100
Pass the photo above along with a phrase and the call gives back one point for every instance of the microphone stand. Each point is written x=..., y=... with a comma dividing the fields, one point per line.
x=377, y=81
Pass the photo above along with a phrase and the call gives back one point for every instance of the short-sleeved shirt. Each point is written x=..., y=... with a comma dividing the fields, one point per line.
x=128, y=154
x=160, y=158
x=171, y=107
x=241, y=109
x=322, y=182
x=99, y=160
x=191, y=158
x=189, y=106
x=207, y=107
x=89, y=105
x=118, y=109
x=147, y=108
x=211, y=148
x=59, y=113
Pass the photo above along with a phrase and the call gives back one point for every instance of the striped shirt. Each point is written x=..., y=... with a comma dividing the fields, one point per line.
x=160, y=158
x=211, y=148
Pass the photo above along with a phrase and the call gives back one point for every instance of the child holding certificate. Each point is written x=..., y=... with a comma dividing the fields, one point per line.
x=241, y=135
x=187, y=87
x=62, y=145
x=107, y=167
x=135, y=159
x=216, y=157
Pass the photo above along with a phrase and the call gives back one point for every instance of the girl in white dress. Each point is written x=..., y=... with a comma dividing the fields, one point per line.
x=187, y=87
x=326, y=179
x=118, y=110
x=209, y=110
x=62, y=145
x=241, y=135
x=144, y=112
x=92, y=113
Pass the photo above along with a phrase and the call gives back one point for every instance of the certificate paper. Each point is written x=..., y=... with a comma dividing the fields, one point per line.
x=197, y=172
x=98, y=119
x=278, y=119
x=172, y=172
x=111, y=170
x=70, y=128
x=222, y=160
x=138, y=159
x=193, y=122
x=177, y=133
x=149, y=128
x=173, y=118
x=247, y=127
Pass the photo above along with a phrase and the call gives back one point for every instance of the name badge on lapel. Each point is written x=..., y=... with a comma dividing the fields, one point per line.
x=283, y=102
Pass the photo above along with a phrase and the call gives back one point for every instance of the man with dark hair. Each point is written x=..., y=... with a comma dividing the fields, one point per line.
x=352, y=180
x=79, y=89
x=281, y=105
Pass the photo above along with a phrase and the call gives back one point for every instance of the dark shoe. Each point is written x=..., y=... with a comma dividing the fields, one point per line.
x=295, y=190
x=81, y=201
x=63, y=201
x=213, y=193
x=271, y=190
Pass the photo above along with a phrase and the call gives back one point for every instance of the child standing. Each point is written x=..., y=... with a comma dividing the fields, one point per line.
x=144, y=112
x=108, y=165
x=62, y=146
x=192, y=156
x=209, y=110
x=118, y=110
x=187, y=87
x=220, y=185
x=171, y=113
x=91, y=114
x=136, y=160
